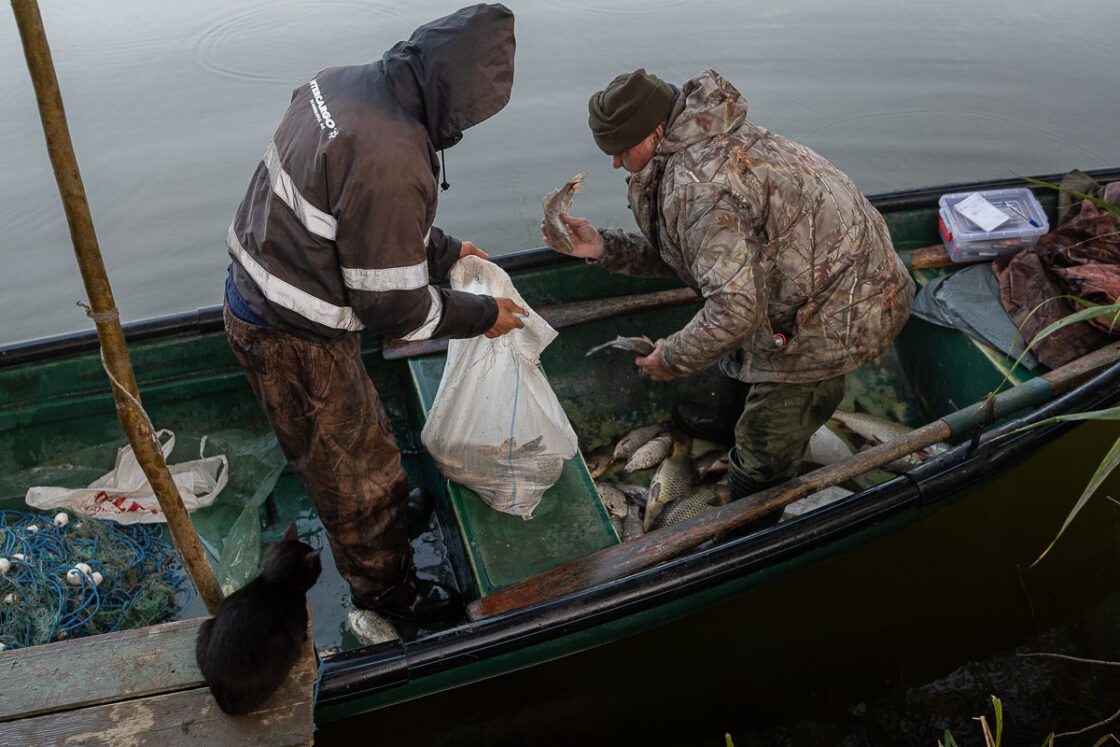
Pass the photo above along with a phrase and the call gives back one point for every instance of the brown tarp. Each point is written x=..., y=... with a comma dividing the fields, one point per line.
x=1081, y=258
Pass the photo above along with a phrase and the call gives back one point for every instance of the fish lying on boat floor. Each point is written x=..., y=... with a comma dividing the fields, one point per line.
x=649, y=455
x=634, y=440
x=713, y=462
x=673, y=479
x=825, y=447
x=560, y=201
x=699, y=500
x=613, y=498
x=816, y=500
x=632, y=524
x=877, y=431
x=635, y=494
x=641, y=345
x=600, y=459
x=370, y=627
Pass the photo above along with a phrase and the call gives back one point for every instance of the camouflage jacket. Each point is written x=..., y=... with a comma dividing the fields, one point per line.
x=775, y=238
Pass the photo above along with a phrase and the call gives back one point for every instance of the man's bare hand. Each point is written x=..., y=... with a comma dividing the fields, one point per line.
x=651, y=364
x=507, y=318
x=469, y=249
x=586, y=240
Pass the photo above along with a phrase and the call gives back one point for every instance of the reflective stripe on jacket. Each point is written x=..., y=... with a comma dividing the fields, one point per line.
x=335, y=232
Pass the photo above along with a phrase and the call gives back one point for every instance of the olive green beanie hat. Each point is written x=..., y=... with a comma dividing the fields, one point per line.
x=625, y=112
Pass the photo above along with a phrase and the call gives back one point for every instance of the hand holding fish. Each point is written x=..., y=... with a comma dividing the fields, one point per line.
x=652, y=365
x=508, y=318
x=586, y=241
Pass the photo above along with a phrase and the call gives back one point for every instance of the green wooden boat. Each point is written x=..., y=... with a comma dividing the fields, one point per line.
x=56, y=408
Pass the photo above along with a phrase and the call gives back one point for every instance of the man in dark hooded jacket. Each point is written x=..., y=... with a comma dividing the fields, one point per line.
x=335, y=234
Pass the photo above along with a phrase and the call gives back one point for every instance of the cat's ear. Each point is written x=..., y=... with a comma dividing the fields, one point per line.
x=291, y=534
x=311, y=558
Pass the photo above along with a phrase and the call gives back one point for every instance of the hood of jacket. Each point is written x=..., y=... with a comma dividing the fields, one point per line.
x=709, y=106
x=454, y=72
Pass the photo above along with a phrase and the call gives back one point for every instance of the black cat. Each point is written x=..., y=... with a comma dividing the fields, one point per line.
x=246, y=649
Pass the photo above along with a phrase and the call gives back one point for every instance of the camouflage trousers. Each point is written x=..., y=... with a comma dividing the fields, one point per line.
x=334, y=432
x=777, y=421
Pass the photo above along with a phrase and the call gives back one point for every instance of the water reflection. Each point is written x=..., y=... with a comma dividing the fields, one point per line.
x=170, y=107
x=255, y=43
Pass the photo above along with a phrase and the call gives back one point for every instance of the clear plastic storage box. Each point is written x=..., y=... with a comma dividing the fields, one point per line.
x=967, y=242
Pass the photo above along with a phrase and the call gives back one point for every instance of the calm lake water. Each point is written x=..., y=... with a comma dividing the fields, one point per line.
x=170, y=106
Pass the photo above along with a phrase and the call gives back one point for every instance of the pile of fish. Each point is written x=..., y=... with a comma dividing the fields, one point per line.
x=681, y=486
x=689, y=475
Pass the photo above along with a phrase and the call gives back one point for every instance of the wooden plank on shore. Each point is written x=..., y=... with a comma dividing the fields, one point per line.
x=142, y=687
x=98, y=669
x=183, y=719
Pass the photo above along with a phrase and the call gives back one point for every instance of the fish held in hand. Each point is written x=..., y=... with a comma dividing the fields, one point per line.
x=560, y=201
x=641, y=345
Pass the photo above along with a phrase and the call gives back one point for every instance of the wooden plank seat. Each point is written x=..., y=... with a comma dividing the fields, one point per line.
x=140, y=687
x=502, y=549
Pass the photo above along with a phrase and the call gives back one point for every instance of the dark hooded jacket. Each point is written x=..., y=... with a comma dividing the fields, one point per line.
x=335, y=232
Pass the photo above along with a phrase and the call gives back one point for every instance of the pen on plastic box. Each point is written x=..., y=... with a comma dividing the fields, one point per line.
x=1011, y=206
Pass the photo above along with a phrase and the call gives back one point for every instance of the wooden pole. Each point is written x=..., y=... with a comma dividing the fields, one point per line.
x=114, y=351
x=563, y=315
x=672, y=541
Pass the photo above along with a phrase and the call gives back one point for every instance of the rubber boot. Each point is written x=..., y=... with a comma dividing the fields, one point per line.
x=420, y=503
x=742, y=486
x=714, y=423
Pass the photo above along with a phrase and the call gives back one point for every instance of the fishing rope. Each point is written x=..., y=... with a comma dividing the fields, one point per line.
x=63, y=578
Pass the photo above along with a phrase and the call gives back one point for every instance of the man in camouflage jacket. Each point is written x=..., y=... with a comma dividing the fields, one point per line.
x=800, y=282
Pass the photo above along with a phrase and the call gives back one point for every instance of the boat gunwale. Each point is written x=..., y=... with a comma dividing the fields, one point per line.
x=209, y=318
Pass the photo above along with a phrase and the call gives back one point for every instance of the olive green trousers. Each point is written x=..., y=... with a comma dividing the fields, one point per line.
x=772, y=433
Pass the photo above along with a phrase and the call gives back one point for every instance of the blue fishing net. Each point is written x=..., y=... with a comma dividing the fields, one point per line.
x=69, y=576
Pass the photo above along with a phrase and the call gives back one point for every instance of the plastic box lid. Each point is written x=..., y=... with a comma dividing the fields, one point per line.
x=965, y=240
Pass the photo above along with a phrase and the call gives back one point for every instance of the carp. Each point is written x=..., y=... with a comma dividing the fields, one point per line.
x=370, y=627
x=613, y=499
x=560, y=201
x=701, y=500
x=879, y=431
x=634, y=440
x=599, y=459
x=631, y=524
x=672, y=480
x=649, y=455
x=713, y=462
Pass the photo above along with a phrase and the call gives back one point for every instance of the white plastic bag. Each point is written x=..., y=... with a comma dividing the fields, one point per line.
x=495, y=425
x=124, y=494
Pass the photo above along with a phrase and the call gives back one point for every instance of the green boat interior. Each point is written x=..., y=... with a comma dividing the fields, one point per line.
x=58, y=426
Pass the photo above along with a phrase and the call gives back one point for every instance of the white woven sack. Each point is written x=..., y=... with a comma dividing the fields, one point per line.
x=495, y=425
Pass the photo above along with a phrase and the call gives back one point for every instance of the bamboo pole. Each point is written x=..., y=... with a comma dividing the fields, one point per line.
x=114, y=351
